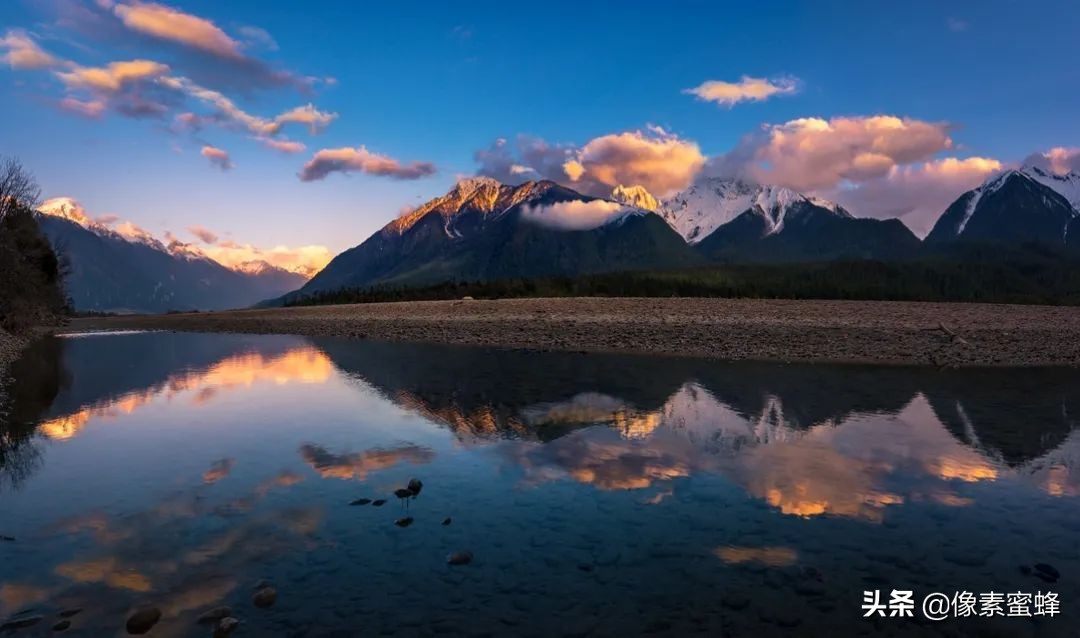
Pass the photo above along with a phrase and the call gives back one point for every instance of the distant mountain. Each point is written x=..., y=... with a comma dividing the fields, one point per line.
x=1016, y=207
x=110, y=273
x=484, y=230
x=734, y=220
x=636, y=196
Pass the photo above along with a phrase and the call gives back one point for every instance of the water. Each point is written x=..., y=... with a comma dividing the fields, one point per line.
x=603, y=495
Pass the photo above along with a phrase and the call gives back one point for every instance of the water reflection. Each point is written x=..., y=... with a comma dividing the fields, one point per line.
x=736, y=454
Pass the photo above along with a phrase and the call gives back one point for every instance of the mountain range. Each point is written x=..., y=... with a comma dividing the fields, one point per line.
x=108, y=272
x=483, y=230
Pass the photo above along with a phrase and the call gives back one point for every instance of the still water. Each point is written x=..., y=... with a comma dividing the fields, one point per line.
x=597, y=494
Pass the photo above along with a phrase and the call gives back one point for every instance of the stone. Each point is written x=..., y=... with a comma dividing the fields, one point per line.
x=404, y=522
x=20, y=622
x=360, y=501
x=225, y=626
x=403, y=492
x=143, y=620
x=265, y=597
x=415, y=485
x=214, y=615
x=459, y=558
x=379, y=502
x=446, y=521
x=68, y=613
x=62, y=625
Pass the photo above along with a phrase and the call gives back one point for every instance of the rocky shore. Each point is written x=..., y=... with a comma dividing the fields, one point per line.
x=905, y=333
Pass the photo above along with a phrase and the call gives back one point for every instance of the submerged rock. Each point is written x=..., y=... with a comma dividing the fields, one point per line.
x=1047, y=572
x=143, y=620
x=360, y=501
x=415, y=485
x=225, y=626
x=62, y=625
x=404, y=522
x=8, y=539
x=379, y=502
x=214, y=615
x=403, y=492
x=459, y=558
x=20, y=622
x=68, y=613
x=265, y=597
x=446, y=521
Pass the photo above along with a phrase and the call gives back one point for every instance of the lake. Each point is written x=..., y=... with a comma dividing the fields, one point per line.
x=595, y=494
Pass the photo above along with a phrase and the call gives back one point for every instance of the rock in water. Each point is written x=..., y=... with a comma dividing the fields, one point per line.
x=62, y=625
x=265, y=597
x=403, y=492
x=1047, y=572
x=143, y=620
x=459, y=558
x=8, y=539
x=20, y=622
x=214, y=615
x=415, y=485
x=360, y=501
x=68, y=613
x=379, y=502
x=446, y=521
x=225, y=627
x=404, y=522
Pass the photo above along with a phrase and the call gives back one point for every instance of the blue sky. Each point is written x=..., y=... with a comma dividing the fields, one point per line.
x=435, y=82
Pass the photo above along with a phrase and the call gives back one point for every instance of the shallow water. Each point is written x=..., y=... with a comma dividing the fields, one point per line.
x=599, y=495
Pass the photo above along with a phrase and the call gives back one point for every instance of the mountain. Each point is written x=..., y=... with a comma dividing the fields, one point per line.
x=1016, y=207
x=484, y=230
x=110, y=273
x=635, y=196
x=734, y=220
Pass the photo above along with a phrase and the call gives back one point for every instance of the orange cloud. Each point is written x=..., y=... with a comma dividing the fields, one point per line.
x=315, y=119
x=768, y=556
x=358, y=465
x=285, y=146
x=112, y=77
x=204, y=235
x=747, y=89
x=657, y=160
x=303, y=260
x=23, y=52
x=167, y=23
x=359, y=159
x=87, y=108
x=218, y=157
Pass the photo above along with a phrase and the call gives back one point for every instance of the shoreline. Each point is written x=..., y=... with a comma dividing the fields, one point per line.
x=818, y=331
x=11, y=346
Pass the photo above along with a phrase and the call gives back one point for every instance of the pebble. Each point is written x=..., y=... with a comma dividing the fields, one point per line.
x=459, y=558
x=143, y=620
x=379, y=502
x=225, y=626
x=360, y=501
x=404, y=522
x=214, y=615
x=62, y=625
x=265, y=597
x=446, y=521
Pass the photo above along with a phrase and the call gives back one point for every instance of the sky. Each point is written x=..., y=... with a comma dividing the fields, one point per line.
x=292, y=131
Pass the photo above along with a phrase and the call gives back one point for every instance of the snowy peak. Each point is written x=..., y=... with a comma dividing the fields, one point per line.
x=1067, y=185
x=477, y=194
x=636, y=196
x=712, y=202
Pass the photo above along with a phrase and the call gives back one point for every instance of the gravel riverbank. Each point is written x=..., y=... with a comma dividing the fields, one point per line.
x=940, y=334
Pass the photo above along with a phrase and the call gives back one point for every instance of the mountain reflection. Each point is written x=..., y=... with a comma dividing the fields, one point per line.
x=805, y=440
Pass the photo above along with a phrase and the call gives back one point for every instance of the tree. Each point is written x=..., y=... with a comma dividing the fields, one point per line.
x=18, y=188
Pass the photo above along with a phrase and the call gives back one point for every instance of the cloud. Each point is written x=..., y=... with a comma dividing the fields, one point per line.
x=87, y=108
x=811, y=153
x=167, y=23
x=359, y=464
x=227, y=112
x=653, y=158
x=23, y=53
x=205, y=235
x=285, y=146
x=112, y=77
x=218, y=157
x=258, y=37
x=1060, y=160
x=917, y=193
x=359, y=159
x=747, y=89
x=574, y=215
x=302, y=260
x=315, y=119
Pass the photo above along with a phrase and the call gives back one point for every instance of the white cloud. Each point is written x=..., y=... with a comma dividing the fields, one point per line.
x=574, y=215
x=747, y=89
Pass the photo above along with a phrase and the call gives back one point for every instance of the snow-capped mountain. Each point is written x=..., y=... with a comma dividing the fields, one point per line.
x=1017, y=206
x=110, y=271
x=482, y=229
x=635, y=196
x=734, y=219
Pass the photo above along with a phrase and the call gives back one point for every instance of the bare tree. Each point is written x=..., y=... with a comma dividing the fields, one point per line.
x=18, y=188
